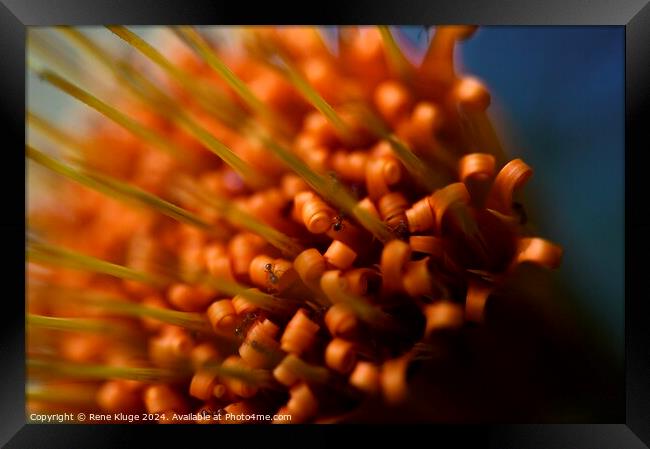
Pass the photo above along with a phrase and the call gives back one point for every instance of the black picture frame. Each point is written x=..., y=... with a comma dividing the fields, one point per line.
x=634, y=15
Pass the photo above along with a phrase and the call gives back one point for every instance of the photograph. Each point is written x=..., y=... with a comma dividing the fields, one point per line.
x=364, y=224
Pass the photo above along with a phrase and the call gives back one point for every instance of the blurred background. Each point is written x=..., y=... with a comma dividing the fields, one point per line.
x=559, y=99
x=557, y=103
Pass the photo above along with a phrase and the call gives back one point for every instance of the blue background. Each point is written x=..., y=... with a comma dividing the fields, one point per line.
x=558, y=103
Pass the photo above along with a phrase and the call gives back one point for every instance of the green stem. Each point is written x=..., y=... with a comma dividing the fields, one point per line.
x=196, y=42
x=210, y=99
x=395, y=56
x=78, y=325
x=238, y=217
x=54, y=133
x=82, y=395
x=113, y=114
x=154, y=97
x=420, y=171
x=121, y=191
x=331, y=191
x=119, y=306
x=51, y=254
x=104, y=372
x=255, y=377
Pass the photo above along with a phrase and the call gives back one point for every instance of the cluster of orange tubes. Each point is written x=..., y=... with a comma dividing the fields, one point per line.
x=310, y=329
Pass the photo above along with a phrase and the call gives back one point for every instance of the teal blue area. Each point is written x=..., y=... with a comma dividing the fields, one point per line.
x=562, y=93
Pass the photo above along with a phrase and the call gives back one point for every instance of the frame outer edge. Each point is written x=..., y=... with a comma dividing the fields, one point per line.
x=637, y=98
x=12, y=224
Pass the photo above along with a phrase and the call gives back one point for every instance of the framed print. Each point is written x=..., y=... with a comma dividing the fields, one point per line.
x=367, y=219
